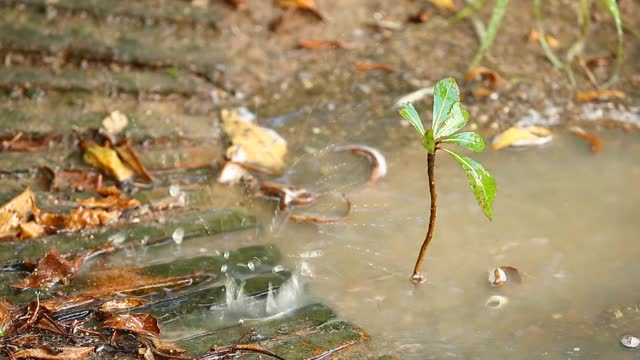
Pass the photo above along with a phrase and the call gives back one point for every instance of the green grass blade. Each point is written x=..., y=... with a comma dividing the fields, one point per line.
x=543, y=39
x=467, y=11
x=494, y=23
x=612, y=7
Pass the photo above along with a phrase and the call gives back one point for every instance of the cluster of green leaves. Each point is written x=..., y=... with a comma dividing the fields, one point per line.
x=449, y=116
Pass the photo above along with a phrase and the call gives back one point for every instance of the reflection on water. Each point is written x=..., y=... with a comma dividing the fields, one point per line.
x=565, y=217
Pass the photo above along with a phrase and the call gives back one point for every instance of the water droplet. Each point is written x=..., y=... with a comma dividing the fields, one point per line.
x=117, y=239
x=251, y=266
x=277, y=269
x=174, y=190
x=630, y=341
x=223, y=268
x=226, y=255
x=178, y=235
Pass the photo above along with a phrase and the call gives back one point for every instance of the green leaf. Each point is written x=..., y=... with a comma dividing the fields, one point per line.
x=428, y=142
x=456, y=119
x=409, y=112
x=470, y=140
x=482, y=183
x=446, y=93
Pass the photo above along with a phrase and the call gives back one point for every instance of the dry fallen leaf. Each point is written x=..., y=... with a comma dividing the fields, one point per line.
x=596, y=144
x=305, y=5
x=130, y=158
x=109, y=202
x=323, y=44
x=143, y=324
x=534, y=135
x=79, y=218
x=58, y=353
x=489, y=81
x=252, y=144
x=30, y=230
x=422, y=16
x=362, y=67
x=600, y=95
x=534, y=36
x=20, y=142
x=6, y=317
x=444, y=4
x=108, y=161
x=15, y=212
x=120, y=304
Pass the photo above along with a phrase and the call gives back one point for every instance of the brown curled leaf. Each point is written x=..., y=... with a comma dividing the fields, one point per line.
x=79, y=218
x=600, y=95
x=15, y=212
x=107, y=160
x=363, y=67
x=534, y=36
x=308, y=6
x=594, y=141
x=422, y=16
x=143, y=324
x=503, y=275
x=287, y=195
x=109, y=202
x=21, y=142
x=488, y=81
x=376, y=160
x=53, y=268
x=59, y=353
x=130, y=158
x=323, y=44
x=57, y=304
x=108, y=191
x=323, y=219
x=7, y=311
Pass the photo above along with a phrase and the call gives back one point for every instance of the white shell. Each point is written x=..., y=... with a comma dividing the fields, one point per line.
x=630, y=341
x=496, y=301
x=497, y=277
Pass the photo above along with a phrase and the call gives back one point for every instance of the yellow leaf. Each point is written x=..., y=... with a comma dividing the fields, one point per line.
x=15, y=212
x=534, y=135
x=444, y=4
x=252, y=144
x=108, y=161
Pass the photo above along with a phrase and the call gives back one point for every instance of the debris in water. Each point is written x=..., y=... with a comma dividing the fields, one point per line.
x=362, y=67
x=323, y=44
x=287, y=195
x=324, y=219
x=594, y=141
x=526, y=136
x=119, y=304
x=630, y=341
x=376, y=159
x=601, y=95
x=143, y=324
x=496, y=301
x=57, y=353
x=502, y=275
x=79, y=218
x=233, y=174
x=20, y=142
x=109, y=202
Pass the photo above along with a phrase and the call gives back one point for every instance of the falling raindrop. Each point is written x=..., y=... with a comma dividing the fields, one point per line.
x=178, y=235
x=174, y=190
x=277, y=269
x=223, y=268
x=496, y=301
x=251, y=266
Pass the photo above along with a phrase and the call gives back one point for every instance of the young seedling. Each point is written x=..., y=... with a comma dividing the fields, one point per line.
x=448, y=117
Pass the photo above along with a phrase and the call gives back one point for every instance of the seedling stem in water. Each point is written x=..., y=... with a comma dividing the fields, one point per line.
x=449, y=116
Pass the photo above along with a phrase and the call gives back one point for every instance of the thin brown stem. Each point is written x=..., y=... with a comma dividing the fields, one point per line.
x=417, y=276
